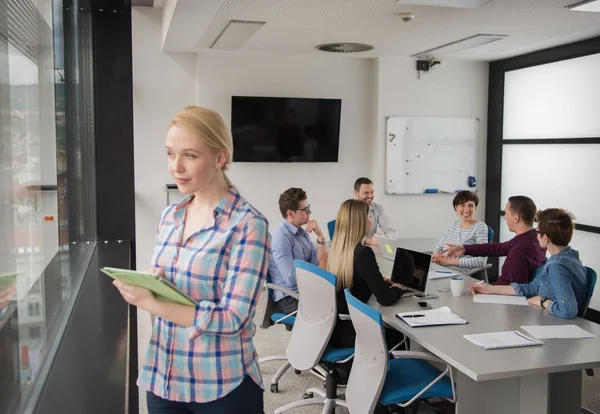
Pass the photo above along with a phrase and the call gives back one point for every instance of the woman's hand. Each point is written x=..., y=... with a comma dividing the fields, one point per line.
x=482, y=288
x=536, y=300
x=397, y=285
x=135, y=295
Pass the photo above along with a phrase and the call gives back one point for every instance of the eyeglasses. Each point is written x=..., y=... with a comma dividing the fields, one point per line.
x=305, y=209
x=537, y=231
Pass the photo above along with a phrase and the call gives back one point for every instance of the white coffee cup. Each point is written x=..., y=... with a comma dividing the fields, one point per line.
x=457, y=285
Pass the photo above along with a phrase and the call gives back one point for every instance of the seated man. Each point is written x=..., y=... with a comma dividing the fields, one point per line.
x=523, y=253
x=380, y=223
x=289, y=241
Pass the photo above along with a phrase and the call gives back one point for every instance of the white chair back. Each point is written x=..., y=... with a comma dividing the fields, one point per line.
x=370, y=364
x=317, y=310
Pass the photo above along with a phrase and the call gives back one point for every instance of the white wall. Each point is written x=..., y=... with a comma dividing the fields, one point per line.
x=370, y=90
x=162, y=85
x=456, y=89
x=327, y=184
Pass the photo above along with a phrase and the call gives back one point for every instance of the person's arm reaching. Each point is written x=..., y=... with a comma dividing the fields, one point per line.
x=366, y=264
x=526, y=289
x=489, y=249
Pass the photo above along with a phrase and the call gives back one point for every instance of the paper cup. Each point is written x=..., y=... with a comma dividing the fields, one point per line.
x=457, y=285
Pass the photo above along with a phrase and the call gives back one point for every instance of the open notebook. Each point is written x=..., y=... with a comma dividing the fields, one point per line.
x=433, y=317
x=500, y=340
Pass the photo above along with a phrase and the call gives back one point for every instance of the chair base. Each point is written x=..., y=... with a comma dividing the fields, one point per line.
x=328, y=404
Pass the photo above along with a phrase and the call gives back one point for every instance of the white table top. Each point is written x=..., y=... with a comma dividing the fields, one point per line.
x=447, y=342
x=418, y=244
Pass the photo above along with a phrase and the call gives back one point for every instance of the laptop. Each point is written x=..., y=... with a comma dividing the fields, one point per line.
x=387, y=247
x=411, y=269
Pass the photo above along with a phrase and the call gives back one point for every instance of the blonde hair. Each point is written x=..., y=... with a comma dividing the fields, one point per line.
x=210, y=127
x=350, y=228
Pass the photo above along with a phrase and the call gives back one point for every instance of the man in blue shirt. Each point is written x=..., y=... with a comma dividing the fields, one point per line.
x=289, y=241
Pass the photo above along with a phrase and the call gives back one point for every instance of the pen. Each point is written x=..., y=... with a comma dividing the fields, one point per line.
x=443, y=271
x=480, y=282
x=413, y=316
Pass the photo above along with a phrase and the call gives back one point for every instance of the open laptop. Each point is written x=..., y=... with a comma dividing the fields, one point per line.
x=387, y=247
x=411, y=269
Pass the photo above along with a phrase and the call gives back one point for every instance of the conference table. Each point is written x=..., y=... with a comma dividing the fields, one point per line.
x=532, y=380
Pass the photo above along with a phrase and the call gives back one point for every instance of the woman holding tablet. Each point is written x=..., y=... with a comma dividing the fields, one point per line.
x=560, y=284
x=213, y=246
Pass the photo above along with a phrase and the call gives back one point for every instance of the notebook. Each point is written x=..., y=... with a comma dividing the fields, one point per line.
x=501, y=340
x=501, y=299
x=162, y=288
x=433, y=317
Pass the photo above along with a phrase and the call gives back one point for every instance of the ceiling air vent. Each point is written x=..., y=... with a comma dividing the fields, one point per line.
x=344, y=47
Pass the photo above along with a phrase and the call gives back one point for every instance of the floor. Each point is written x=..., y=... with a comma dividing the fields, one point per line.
x=273, y=341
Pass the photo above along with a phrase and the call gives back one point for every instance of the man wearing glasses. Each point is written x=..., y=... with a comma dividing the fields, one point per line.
x=289, y=241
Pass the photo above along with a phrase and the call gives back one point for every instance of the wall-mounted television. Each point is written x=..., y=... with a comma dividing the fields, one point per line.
x=285, y=129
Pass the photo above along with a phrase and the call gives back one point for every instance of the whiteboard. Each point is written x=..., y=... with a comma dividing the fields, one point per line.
x=431, y=155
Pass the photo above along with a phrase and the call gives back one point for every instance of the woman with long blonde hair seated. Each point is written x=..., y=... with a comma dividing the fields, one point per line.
x=356, y=268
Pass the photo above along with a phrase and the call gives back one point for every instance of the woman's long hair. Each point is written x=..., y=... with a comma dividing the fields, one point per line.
x=351, y=226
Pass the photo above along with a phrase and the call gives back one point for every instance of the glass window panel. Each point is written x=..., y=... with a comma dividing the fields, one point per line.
x=588, y=245
x=556, y=100
x=566, y=176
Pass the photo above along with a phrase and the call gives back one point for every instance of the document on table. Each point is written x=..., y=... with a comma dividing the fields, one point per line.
x=501, y=299
x=501, y=340
x=441, y=274
x=439, y=316
x=557, y=331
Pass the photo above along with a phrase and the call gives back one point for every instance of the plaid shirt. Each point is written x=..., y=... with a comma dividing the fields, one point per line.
x=222, y=268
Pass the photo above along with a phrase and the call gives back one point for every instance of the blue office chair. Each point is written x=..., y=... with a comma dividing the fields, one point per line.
x=490, y=235
x=309, y=344
x=331, y=228
x=591, y=282
x=404, y=381
x=271, y=317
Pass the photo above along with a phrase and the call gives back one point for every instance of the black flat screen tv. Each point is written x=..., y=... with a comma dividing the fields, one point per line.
x=285, y=129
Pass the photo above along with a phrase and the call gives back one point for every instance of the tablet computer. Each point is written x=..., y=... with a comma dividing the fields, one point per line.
x=162, y=288
x=8, y=280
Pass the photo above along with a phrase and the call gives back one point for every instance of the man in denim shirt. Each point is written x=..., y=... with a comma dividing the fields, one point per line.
x=289, y=241
x=560, y=285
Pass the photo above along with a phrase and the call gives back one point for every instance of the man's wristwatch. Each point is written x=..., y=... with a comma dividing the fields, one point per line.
x=542, y=302
x=321, y=242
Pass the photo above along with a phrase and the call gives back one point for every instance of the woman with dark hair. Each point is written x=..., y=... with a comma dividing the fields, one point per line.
x=560, y=284
x=466, y=229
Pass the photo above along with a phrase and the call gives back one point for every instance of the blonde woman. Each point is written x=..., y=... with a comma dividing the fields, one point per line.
x=213, y=245
x=356, y=268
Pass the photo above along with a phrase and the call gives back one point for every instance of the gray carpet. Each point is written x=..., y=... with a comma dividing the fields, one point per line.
x=273, y=341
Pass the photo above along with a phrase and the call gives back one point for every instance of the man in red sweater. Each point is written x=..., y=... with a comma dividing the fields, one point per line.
x=523, y=253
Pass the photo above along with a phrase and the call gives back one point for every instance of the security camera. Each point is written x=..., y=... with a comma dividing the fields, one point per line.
x=435, y=64
x=407, y=17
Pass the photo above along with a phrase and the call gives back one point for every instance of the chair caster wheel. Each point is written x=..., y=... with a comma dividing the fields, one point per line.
x=297, y=372
x=274, y=388
x=307, y=395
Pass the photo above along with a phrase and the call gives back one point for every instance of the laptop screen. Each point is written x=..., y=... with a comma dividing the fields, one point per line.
x=411, y=269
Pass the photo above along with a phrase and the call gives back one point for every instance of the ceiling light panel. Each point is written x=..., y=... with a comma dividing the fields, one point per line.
x=463, y=4
x=586, y=6
x=459, y=46
x=235, y=34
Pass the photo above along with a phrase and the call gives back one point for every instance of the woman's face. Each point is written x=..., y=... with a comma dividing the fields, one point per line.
x=466, y=211
x=191, y=163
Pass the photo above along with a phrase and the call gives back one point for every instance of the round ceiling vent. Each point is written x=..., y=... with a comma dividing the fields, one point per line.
x=344, y=47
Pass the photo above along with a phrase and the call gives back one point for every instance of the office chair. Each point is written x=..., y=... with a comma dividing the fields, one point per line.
x=403, y=381
x=490, y=235
x=273, y=317
x=591, y=282
x=309, y=343
x=331, y=228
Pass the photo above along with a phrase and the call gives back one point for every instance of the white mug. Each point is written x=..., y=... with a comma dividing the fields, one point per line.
x=457, y=285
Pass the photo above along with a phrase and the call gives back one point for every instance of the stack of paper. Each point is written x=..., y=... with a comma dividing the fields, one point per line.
x=557, y=331
x=500, y=340
x=500, y=299
x=439, y=316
